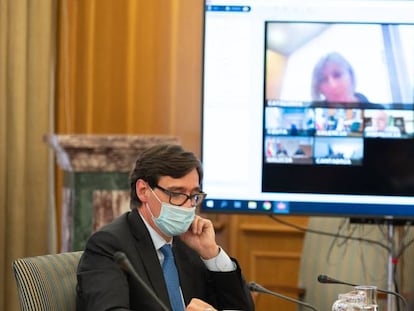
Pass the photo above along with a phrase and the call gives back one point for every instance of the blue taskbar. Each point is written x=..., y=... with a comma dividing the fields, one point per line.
x=228, y=8
x=244, y=206
x=305, y=208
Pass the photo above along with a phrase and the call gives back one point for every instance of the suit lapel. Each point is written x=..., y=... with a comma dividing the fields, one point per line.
x=147, y=263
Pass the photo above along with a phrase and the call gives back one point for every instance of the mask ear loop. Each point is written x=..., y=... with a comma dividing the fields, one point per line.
x=149, y=210
x=147, y=205
x=155, y=195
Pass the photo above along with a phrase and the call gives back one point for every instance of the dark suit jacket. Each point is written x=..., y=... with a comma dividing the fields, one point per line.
x=103, y=285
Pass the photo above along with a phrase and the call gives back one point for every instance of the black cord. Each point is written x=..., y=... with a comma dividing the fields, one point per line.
x=397, y=290
x=336, y=235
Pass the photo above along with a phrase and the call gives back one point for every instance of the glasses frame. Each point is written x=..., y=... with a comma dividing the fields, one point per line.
x=188, y=197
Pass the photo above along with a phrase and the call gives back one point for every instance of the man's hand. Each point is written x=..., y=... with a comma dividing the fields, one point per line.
x=199, y=305
x=202, y=238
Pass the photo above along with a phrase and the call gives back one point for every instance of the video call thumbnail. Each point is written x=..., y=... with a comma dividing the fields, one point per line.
x=341, y=151
x=338, y=122
x=388, y=123
x=290, y=149
x=291, y=121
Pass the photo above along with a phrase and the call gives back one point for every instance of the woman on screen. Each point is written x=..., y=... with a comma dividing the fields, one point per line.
x=333, y=81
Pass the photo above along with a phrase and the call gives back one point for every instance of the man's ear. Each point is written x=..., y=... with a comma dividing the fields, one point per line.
x=141, y=187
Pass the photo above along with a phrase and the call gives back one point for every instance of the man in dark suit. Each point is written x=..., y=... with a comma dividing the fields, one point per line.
x=165, y=191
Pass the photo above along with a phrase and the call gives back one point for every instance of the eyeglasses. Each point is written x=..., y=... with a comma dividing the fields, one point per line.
x=178, y=198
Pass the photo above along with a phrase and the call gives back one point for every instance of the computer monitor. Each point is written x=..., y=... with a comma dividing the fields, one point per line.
x=278, y=138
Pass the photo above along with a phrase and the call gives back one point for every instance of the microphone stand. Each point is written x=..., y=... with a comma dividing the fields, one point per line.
x=260, y=289
x=122, y=260
x=390, y=276
x=390, y=264
x=324, y=279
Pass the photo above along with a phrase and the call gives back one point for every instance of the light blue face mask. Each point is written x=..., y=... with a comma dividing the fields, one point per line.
x=173, y=220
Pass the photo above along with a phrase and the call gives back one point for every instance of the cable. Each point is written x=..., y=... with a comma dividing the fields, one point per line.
x=336, y=235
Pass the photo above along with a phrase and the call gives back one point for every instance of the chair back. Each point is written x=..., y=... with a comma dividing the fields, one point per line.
x=47, y=282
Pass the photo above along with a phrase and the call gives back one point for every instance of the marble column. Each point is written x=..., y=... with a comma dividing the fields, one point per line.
x=95, y=180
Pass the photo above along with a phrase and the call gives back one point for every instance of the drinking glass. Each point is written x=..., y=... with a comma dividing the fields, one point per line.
x=363, y=297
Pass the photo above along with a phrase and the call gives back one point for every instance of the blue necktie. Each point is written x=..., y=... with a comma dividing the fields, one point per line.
x=171, y=278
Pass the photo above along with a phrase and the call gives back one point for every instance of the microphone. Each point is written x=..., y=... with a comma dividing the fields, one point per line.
x=122, y=260
x=328, y=280
x=324, y=279
x=254, y=287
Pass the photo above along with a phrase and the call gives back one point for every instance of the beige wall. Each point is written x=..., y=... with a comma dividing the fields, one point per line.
x=276, y=65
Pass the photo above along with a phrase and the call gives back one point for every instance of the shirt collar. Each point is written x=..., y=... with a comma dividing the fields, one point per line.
x=157, y=239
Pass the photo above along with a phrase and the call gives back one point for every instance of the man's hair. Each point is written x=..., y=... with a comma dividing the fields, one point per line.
x=162, y=160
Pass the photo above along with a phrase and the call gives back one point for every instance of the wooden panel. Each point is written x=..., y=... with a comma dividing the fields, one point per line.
x=130, y=67
x=266, y=270
x=270, y=254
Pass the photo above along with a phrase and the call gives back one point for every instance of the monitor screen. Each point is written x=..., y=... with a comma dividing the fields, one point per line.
x=308, y=107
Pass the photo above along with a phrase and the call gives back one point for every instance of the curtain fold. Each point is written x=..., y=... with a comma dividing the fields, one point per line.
x=26, y=73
